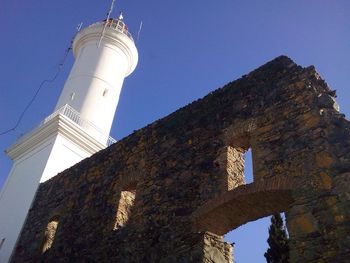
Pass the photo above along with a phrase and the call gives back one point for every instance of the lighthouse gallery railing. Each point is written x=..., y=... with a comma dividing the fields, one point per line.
x=75, y=116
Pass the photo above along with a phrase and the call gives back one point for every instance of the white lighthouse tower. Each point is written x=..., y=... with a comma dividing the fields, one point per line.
x=105, y=54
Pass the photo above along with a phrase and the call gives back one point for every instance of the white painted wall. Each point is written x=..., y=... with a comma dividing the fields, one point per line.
x=38, y=164
x=18, y=193
x=64, y=154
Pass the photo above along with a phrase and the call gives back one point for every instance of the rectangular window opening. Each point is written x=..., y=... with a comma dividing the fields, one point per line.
x=50, y=233
x=125, y=205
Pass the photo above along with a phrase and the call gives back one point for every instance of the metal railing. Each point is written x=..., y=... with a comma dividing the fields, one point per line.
x=117, y=25
x=75, y=116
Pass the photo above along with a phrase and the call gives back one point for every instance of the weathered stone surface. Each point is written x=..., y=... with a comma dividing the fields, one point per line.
x=186, y=173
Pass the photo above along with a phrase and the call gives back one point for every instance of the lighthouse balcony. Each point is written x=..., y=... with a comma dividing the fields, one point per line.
x=68, y=112
x=75, y=116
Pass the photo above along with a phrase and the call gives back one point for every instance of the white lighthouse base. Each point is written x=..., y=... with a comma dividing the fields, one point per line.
x=54, y=146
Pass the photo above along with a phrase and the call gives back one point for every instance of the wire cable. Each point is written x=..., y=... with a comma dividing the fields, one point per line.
x=60, y=65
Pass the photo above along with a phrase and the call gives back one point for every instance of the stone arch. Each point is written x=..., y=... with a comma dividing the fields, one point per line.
x=244, y=204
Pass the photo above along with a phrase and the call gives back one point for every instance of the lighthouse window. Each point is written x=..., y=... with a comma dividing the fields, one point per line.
x=50, y=233
x=105, y=92
x=72, y=96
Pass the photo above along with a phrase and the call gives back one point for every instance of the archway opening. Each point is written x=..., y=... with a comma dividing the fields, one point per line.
x=249, y=241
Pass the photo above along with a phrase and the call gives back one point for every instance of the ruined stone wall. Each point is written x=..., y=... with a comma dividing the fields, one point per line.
x=186, y=177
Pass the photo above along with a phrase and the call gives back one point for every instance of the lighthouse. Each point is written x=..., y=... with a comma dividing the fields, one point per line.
x=79, y=126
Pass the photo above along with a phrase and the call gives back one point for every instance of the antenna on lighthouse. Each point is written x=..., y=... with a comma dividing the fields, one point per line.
x=79, y=26
x=138, y=33
x=104, y=28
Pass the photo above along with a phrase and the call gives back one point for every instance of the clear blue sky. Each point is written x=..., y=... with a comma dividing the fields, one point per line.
x=186, y=49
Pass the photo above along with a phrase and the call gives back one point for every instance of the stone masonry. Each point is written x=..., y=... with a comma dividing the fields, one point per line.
x=169, y=191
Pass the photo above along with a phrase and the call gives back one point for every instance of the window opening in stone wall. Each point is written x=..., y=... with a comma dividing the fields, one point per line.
x=248, y=166
x=126, y=202
x=50, y=233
